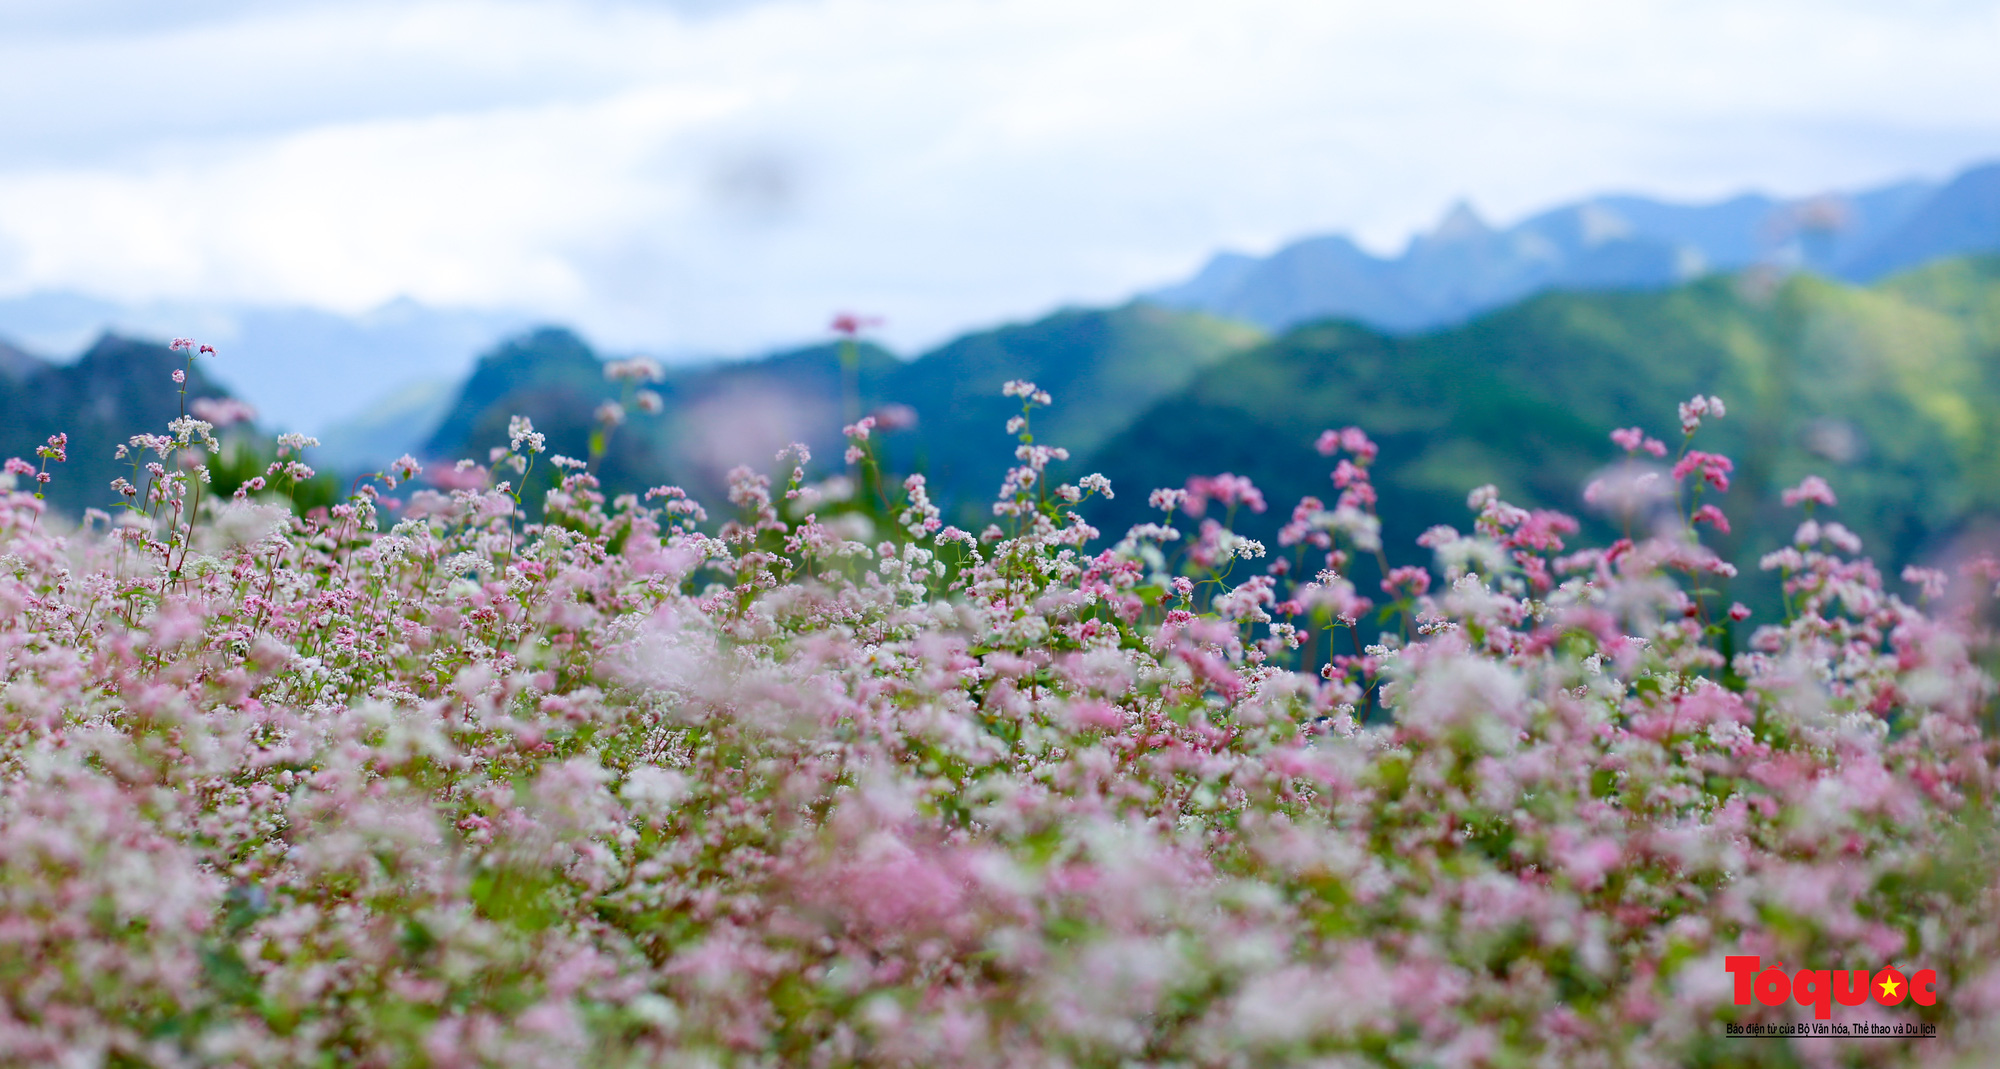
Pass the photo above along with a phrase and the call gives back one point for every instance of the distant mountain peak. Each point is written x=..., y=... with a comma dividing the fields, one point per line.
x=1460, y=223
x=1465, y=266
x=17, y=364
x=1601, y=224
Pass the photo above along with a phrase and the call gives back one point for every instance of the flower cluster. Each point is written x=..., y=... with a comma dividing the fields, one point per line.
x=434, y=784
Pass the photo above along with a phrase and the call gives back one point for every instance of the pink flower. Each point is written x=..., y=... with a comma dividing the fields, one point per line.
x=1714, y=467
x=634, y=369
x=1229, y=489
x=1712, y=516
x=1632, y=439
x=851, y=324
x=1351, y=439
x=1345, y=474
x=222, y=411
x=1693, y=410
x=1356, y=442
x=1931, y=580
x=1413, y=580
x=895, y=417
x=1813, y=489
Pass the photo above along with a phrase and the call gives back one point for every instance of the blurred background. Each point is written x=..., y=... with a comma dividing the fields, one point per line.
x=1489, y=233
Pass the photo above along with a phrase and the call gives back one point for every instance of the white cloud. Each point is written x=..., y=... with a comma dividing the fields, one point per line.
x=721, y=177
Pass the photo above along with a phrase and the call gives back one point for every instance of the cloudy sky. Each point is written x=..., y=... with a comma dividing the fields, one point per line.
x=716, y=176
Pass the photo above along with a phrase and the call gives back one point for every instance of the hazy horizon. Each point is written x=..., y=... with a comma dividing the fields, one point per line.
x=719, y=177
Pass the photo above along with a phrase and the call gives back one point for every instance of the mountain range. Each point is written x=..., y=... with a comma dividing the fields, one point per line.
x=379, y=380
x=306, y=369
x=1890, y=391
x=1850, y=341
x=1465, y=267
x=116, y=389
x=1108, y=364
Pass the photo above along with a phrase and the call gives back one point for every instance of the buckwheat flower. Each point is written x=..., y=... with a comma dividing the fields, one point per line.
x=1096, y=483
x=521, y=430
x=649, y=402
x=1931, y=581
x=1810, y=489
x=180, y=375
x=852, y=325
x=610, y=413
x=1712, y=516
x=1361, y=528
x=404, y=468
x=1841, y=538
x=1691, y=411
x=1357, y=442
x=1167, y=500
x=191, y=431
x=1714, y=467
x=1463, y=556
x=634, y=369
x=1414, y=581
x=894, y=417
x=1227, y=488
x=1632, y=440
x=222, y=411
x=180, y=343
x=17, y=466
x=1026, y=391
x=859, y=430
x=1739, y=612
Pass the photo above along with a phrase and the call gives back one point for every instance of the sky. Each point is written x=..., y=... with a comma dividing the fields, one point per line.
x=709, y=176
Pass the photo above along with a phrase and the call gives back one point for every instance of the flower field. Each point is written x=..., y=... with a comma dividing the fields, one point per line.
x=463, y=773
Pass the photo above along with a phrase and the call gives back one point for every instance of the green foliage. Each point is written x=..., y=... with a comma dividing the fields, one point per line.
x=1891, y=392
x=246, y=456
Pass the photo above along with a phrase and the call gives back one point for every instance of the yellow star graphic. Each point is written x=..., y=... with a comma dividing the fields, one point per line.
x=1889, y=987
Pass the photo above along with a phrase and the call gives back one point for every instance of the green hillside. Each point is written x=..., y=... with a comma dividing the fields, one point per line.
x=1891, y=392
x=1104, y=368
x=116, y=389
x=715, y=416
x=1107, y=366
